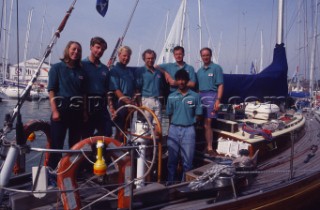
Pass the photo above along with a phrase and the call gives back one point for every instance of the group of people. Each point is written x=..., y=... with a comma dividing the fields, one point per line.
x=81, y=90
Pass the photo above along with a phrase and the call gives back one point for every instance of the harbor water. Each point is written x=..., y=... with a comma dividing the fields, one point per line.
x=30, y=110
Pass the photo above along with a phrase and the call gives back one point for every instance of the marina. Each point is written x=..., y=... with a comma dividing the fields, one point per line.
x=265, y=151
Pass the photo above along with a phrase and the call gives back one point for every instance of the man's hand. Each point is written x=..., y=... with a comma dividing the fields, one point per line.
x=169, y=79
x=55, y=116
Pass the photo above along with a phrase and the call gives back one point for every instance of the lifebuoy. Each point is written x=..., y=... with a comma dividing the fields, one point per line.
x=30, y=127
x=67, y=171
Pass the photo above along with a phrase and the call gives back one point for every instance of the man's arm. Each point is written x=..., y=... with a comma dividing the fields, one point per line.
x=167, y=76
x=219, y=95
x=121, y=97
x=191, y=84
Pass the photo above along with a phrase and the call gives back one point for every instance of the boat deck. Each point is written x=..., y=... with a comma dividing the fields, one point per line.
x=274, y=183
x=297, y=122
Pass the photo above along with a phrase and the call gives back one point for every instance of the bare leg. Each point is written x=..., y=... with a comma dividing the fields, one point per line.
x=208, y=133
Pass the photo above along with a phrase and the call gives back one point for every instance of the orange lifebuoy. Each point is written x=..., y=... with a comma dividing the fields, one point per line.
x=67, y=171
x=30, y=127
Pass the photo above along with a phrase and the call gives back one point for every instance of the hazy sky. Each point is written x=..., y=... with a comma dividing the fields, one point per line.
x=232, y=27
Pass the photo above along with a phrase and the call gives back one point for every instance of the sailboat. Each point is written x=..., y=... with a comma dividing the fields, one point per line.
x=266, y=162
x=23, y=71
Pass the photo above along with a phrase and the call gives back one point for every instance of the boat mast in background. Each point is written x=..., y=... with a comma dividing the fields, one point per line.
x=200, y=31
x=3, y=38
x=313, y=49
x=7, y=41
x=26, y=45
x=42, y=28
x=261, y=53
x=280, y=22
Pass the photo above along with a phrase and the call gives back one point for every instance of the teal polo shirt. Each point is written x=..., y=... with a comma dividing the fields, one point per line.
x=148, y=82
x=65, y=81
x=97, y=78
x=210, y=78
x=172, y=69
x=184, y=108
x=122, y=78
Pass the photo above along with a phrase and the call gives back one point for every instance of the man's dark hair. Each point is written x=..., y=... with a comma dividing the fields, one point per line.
x=178, y=48
x=206, y=48
x=182, y=74
x=98, y=40
x=149, y=51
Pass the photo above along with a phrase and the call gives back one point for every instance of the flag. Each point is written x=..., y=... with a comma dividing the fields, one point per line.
x=252, y=69
x=102, y=7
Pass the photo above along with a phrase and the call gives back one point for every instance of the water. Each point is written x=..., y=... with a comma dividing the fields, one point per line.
x=30, y=110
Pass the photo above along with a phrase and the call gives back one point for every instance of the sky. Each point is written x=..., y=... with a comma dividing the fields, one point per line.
x=233, y=28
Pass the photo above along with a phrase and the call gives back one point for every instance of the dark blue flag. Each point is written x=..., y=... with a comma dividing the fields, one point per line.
x=102, y=7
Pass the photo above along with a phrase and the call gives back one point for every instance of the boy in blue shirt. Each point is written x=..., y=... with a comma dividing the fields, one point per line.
x=183, y=106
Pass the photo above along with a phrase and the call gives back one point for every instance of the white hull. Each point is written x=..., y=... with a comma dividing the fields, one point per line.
x=12, y=92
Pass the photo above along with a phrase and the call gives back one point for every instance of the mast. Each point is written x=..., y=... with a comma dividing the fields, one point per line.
x=183, y=23
x=7, y=42
x=280, y=22
x=261, y=53
x=42, y=28
x=26, y=45
x=200, y=31
x=313, y=50
x=189, y=44
x=3, y=38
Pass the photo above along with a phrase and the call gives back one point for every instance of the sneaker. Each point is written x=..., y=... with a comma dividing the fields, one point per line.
x=210, y=153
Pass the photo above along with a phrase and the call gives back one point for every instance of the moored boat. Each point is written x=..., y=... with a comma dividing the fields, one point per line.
x=269, y=162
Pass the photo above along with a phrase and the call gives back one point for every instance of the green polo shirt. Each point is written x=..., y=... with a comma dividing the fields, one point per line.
x=97, y=78
x=122, y=78
x=65, y=81
x=184, y=108
x=210, y=78
x=172, y=69
x=148, y=82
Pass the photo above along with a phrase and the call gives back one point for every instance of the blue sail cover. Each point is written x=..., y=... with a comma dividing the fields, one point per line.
x=271, y=82
x=295, y=94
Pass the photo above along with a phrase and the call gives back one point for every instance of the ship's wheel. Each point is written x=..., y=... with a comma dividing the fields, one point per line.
x=139, y=130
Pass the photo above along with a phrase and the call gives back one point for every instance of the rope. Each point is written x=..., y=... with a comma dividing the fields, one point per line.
x=210, y=175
